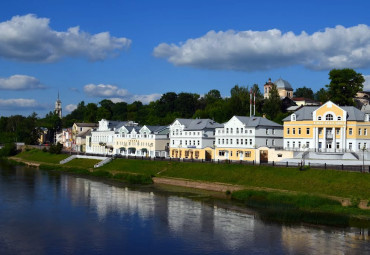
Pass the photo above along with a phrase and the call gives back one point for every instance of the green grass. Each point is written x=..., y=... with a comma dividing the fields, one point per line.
x=40, y=156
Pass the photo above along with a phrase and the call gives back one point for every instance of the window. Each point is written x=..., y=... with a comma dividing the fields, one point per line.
x=293, y=117
x=293, y=131
x=287, y=144
x=339, y=118
x=231, y=141
x=246, y=141
x=186, y=142
x=329, y=117
x=227, y=141
x=237, y=141
x=337, y=131
x=359, y=146
x=227, y=130
x=350, y=131
x=241, y=141
x=267, y=131
x=241, y=130
x=250, y=141
x=280, y=155
x=350, y=146
x=299, y=144
x=221, y=153
x=198, y=142
x=247, y=154
x=293, y=144
x=218, y=141
x=193, y=142
x=337, y=145
x=273, y=142
x=307, y=131
x=287, y=131
x=223, y=141
x=273, y=131
x=173, y=142
x=359, y=131
x=320, y=131
x=267, y=141
x=319, y=118
x=237, y=130
x=250, y=131
x=299, y=131
x=307, y=144
x=231, y=130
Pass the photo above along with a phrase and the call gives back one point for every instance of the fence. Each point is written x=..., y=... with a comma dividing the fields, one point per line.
x=351, y=168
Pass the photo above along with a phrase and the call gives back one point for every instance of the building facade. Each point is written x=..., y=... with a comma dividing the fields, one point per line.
x=79, y=133
x=193, y=138
x=147, y=141
x=239, y=138
x=327, y=128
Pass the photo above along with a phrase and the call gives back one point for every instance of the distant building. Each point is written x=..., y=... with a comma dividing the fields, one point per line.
x=79, y=133
x=302, y=101
x=58, y=107
x=284, y=88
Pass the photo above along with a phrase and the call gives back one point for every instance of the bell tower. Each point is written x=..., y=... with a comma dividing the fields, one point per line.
x=58, y=107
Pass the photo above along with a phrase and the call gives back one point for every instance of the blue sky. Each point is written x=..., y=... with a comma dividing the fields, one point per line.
x=137, y=50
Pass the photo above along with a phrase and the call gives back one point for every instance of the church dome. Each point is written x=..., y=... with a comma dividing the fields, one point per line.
x=283, y=84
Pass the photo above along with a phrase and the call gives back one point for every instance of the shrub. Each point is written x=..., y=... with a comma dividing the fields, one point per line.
x=8, y=150
x=56, y=148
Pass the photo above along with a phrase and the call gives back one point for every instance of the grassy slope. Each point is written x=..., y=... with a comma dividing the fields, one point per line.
x=40, y=156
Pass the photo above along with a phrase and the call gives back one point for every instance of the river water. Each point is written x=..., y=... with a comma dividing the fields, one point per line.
x=48, y=213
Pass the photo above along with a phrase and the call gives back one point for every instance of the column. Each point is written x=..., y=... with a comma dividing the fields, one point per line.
x=324, y=139
x=343, y=137
x=315, y=138
x=335, y=139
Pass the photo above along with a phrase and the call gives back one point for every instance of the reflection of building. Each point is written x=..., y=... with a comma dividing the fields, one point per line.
x=240, y=136
x=329, y=128
x=148, y=141
x=284, y=88
x=193, y=138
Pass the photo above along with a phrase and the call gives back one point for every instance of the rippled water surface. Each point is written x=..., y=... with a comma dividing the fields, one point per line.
x=46, y=213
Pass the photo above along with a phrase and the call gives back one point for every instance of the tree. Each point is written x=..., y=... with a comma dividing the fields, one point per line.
x=272, y=105
x=322, y=95
x=304, y=92
x=239, y=100
x=344, y=85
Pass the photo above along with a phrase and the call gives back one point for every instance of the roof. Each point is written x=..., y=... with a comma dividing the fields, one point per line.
x=283, y=84
x=294, y=107
x=257, y=121
x=159, y=129
x=87, y=124
x=84, y=134
x=199, y=124
x=306, y=113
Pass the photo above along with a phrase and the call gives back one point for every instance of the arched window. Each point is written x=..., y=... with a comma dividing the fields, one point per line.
x=329, y=117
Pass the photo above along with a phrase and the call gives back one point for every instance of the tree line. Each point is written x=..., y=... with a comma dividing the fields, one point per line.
x=343, y=86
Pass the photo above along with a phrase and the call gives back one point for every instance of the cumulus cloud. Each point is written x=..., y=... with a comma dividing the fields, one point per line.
x=337, y=47
x=20, y=103
x=103, y=90
x=20, y=82
x=367, y=83
x=116, y=94
x=29, y=38
x=71, y=107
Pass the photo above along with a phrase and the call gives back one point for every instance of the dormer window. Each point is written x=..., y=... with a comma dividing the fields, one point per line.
x=319, y=118
x=329, y=117
x=293, y=117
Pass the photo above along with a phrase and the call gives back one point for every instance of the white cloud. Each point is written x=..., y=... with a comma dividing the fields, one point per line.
x=337, y=47
x=116, y=94
x=103, y=90
x=71, y=107
x=367, y=83
x=20, y=82
x=20, y=103
x=29, y=38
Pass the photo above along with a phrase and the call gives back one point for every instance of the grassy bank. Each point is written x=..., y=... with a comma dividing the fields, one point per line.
x=303, y=194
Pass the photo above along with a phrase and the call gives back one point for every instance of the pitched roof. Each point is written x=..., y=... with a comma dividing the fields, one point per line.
x=87, y=124
x=257, y=121
x=158, y=129
x=306, y=113
x=84, y=134
x=199, y=124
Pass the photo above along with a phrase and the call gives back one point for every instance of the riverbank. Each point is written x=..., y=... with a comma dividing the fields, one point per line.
x=303, y=189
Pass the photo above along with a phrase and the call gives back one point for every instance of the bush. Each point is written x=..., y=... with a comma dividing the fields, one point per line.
x=8, y=150
x=56, y=148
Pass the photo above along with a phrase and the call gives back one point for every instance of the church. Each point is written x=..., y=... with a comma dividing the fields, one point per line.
x=284, y=88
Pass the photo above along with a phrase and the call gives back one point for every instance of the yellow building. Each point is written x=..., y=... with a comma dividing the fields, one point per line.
x=327, y=128
x=284, y=88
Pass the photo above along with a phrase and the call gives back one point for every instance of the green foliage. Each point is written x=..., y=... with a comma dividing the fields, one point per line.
x=304, y=92
x=56, y=148
x=134, y=178
x=344, y=85
x=41, y=156
x=321, y=95
x=18, y=128
x=272, y=105
x=8, y=150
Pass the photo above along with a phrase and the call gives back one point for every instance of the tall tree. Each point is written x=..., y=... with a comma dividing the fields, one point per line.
x=321, y=95
x=344, y=85
x=304, y=92
x=272, y=105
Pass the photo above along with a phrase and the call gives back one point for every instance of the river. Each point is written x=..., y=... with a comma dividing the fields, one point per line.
x=49, y=213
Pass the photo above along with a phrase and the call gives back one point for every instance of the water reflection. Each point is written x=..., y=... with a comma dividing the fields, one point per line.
x=43, y=213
